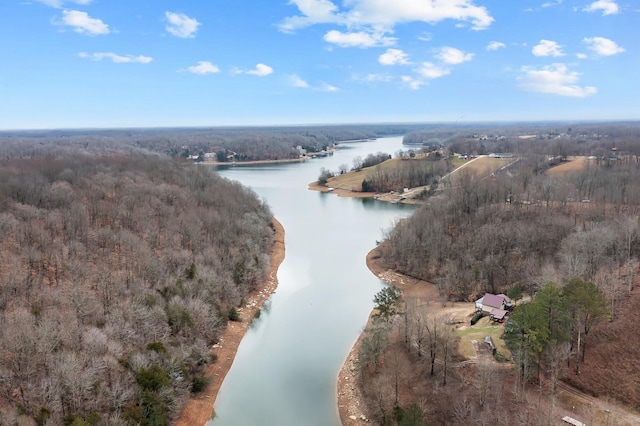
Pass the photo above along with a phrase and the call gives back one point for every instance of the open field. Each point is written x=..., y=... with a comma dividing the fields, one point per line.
x=352, y=181
x=574, y=164
x=482, y=166
x=478, y=332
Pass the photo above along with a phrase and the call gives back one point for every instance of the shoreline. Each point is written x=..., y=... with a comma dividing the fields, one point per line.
x=199, y=409
x=351, y=406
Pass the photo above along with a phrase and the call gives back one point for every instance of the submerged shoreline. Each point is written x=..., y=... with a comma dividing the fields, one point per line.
x=200, y=408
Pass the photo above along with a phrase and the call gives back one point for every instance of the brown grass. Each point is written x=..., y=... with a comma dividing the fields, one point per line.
x=573, y=165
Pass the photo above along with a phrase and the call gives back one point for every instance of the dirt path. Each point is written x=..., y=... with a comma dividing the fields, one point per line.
x=199, y=410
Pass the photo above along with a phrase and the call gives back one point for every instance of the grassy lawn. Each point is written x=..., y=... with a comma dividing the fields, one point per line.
x=479, y=331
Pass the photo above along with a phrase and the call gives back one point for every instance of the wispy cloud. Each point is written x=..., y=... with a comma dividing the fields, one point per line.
x=298, y=82
x=453, y=56
x=552, y=3
x=547, y=48
x=59, y=3
x=114, y=57
x=607, y=7
x=495, y=45
x=358, y=39
x=412, y=82
x=261, y=70
x=393, y=57
x=82, y=23
x=326, y=87
x=374, y=78
x=204, y=67
x=180, y=25
x=554, y=79
x=602, y=46
x=385, y=13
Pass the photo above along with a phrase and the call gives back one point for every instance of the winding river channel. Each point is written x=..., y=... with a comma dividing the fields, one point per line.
x=285, y=371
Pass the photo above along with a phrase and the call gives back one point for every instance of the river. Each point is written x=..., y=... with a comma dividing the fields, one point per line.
x=285, y=371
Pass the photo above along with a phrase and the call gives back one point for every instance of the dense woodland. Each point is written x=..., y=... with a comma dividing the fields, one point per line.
x=571, y=240
x=118, y=273
x=121, y=263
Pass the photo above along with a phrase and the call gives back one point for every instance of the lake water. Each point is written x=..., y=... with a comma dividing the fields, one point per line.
x=285, y=371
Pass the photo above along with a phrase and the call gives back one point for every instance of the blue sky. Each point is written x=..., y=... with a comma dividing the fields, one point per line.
x=127, y=63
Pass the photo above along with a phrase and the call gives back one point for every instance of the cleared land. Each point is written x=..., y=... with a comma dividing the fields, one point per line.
x=574, y=164
x=352, y=181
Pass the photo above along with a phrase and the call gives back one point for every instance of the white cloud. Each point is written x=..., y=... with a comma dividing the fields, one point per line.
x=204, y=67
x=554, y=79
x=82, y=23
x=118, y=59
x=547, y=48
x=602, y=46
x=393, y=57
x=495, y=45
x=58, y=3
x=608, y=7
x=430, y=70
x=358, y=39
x=411, y=82
x=180, y=25
x=385, y=13
x=453, y=56
x=261, y=70
x=582, y=55
x=296, y=81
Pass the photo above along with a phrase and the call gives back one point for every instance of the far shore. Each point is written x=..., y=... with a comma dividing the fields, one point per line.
x=200, y=408
x=315, y=186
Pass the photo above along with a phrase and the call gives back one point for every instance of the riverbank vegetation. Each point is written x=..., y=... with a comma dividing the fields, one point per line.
x=572, y=239
x=120, y=268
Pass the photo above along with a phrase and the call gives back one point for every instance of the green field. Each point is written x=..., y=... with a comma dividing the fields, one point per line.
x=479, y=331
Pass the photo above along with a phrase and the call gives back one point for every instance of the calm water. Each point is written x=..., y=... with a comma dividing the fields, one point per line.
x=285, y=371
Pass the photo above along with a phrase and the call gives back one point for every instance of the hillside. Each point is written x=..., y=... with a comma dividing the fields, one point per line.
x=516, y=230
x=119, y=273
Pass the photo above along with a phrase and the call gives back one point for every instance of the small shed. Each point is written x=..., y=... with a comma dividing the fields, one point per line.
x=498, y=314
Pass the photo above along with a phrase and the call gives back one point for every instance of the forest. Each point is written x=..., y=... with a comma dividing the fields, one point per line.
x=569, y=240
x=120, y=267
x=245, y=143
x=122, y=262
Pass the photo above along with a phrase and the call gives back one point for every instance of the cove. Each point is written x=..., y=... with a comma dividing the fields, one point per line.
x=285, y=370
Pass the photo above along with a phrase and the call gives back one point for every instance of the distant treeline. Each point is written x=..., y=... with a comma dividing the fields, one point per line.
x=244, y=143
x=118, y=274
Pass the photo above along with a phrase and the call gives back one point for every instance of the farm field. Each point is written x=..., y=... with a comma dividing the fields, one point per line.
x=573, y=165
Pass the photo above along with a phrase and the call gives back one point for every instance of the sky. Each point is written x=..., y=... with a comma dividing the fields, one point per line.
x=166, y=63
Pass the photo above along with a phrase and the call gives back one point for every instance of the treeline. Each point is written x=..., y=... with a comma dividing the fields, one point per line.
x=485, y=235
x=118, y=274
x=244, y=143
x=410, y=174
